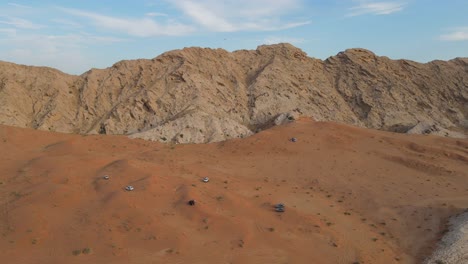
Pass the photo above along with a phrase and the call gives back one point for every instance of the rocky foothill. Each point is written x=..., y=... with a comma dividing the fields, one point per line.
x=198, y=95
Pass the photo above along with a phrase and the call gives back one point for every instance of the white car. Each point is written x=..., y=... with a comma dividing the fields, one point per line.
x=206, y=179
x=129, y=188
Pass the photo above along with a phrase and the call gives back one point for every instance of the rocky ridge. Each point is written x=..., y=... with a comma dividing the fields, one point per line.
x=198, y=95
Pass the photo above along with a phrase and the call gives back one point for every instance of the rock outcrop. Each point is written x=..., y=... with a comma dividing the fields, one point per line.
x=197, y=95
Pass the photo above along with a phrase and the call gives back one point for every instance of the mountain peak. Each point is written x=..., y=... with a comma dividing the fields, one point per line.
x=196, y=95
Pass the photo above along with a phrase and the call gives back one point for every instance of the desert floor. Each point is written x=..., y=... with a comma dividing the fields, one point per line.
x=352, y=195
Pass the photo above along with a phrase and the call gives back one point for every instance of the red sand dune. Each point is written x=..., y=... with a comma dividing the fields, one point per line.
x=352, y=196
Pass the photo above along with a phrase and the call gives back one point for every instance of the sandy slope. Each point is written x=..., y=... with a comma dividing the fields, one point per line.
x=352, y=196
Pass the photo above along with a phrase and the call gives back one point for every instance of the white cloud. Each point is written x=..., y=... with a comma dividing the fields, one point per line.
x=64, y=52
x=205, y=17
x=141, y=27
x=240, y=15
x=66, y=23
x=19, y=6
x=61, y=52
x=457, y=34
x=376, y=8
x=104, y=39
x=19, y=23
x=22, y=40
x=276, y=39
x=155, y=14
x=10, y=31
x=216, y=16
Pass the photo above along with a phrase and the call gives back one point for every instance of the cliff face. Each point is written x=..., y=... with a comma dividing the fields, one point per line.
x=204, y=95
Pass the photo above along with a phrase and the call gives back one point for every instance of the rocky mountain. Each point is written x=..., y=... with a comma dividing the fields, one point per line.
x=197, y=95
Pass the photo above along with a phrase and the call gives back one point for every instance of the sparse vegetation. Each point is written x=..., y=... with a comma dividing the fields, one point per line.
x=16, y=194
x=151, y=237
x=241, y=243
x=85, y=251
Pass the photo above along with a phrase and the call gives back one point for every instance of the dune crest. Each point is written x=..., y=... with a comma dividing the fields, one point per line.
x=351, y=195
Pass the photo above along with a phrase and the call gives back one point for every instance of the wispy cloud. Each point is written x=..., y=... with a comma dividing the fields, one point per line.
x=103, y=39
x=155, y=14
x=56, y=51
x=211, y=15
x=241, y=15
x=19, y=5
x=376, y=8
x=39, y=50
x=19, y=22
x=140, y=27
x=66, y=23
x=8, y=30
x=456, y=34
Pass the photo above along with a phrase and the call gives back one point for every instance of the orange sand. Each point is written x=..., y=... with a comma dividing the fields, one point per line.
x=351, y=195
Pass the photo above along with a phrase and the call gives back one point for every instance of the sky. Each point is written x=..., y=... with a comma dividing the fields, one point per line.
x=75, y=36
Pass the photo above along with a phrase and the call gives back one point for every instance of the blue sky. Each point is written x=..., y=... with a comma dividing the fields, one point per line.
x=74, y=36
